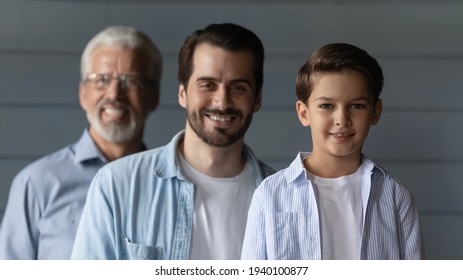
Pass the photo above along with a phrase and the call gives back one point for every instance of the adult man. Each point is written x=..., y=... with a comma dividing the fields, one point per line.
x=120, y=78
x=188, y=199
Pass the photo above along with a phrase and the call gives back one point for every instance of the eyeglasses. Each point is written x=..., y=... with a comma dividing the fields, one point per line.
x=103, y=81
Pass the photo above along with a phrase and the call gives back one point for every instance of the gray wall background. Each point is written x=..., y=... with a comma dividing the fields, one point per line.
x=419, y=44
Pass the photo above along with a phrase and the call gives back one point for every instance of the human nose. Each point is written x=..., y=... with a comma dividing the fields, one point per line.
x=115, y=89
x=222, y=99
x=342, y=118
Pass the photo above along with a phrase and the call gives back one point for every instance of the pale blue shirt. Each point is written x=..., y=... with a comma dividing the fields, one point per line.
x=141, y=207
x=46, y=200
x=283, y=219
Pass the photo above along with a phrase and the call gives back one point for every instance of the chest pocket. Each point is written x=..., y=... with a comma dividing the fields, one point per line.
x=133, y=251
x=283, y=236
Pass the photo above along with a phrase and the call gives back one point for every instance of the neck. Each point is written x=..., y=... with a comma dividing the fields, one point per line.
x=113, y=151
x=331, y=166
x=218, y=162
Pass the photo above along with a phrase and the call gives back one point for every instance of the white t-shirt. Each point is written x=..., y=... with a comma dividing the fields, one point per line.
x=340, y=206
x=220, y=213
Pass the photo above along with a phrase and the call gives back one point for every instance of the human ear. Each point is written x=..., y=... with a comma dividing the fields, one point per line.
x=303, y=113
x=378, y=108
x=182, y=96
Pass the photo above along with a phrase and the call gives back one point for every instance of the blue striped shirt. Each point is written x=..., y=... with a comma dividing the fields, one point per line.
x=283, y=220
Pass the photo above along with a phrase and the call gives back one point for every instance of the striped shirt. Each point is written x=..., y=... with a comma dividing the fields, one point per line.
x=283, y=220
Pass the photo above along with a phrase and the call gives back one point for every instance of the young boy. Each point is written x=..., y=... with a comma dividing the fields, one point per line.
x=335, y=203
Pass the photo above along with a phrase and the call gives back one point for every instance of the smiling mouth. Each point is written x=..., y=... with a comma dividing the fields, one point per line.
x=342, y=137
x=220, y=118
x=342, y=134
x=116, y=113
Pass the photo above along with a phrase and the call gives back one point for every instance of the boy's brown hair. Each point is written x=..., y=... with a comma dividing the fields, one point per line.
x=339, y=57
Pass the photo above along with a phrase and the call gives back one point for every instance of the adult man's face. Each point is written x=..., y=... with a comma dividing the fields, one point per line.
x=221, y=95
x=117, y=110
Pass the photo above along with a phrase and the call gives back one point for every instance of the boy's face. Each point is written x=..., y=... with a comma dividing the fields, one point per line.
x=339, y=111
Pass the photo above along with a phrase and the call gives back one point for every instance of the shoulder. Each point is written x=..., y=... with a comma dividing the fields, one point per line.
x=139, y=162
x=274, y=184
x=51, y=161
x=43, y=176
x=47, y=166
x=129, y=172
x=386, y=179
x=288, y=179
x=131, y=183
x=132, y=164
x=278, y=177
x=280, y=192
x=384, y=182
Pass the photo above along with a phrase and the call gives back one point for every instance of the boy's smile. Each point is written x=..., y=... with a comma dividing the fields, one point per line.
x=342, y=136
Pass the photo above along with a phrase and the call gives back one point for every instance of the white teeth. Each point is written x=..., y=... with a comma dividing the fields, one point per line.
x=114, y=112
x=220, y=119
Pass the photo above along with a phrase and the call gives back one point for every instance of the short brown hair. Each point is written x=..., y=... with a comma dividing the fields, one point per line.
x=227, y=36
x=338, y=57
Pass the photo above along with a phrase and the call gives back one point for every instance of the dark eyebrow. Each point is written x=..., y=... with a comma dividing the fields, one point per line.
x=362, y=98
x=245, y=81
x=206, y=78
x=322, y=98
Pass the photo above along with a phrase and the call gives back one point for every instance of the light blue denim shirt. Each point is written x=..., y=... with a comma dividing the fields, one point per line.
x=283, y=220
x=46, y=200
x=141, y=207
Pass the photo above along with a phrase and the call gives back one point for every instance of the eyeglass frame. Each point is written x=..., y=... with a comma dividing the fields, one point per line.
x=122, y=81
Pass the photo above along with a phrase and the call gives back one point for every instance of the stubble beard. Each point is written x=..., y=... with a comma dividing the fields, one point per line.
x=219, y=136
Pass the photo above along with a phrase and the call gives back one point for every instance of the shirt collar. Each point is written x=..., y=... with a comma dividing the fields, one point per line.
x=297, y=169
x=86, y=150
x=371, y=166
x=167, y=165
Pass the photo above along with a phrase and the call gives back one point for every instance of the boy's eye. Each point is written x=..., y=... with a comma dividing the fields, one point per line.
x=326, y=106
x=358, y=106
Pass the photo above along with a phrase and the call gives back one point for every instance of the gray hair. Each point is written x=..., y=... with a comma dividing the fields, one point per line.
x=124, y=36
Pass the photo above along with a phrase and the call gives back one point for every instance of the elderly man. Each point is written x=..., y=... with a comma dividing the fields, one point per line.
x=120, y=81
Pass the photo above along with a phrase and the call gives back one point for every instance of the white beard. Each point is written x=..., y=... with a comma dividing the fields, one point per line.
x=113, y=132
